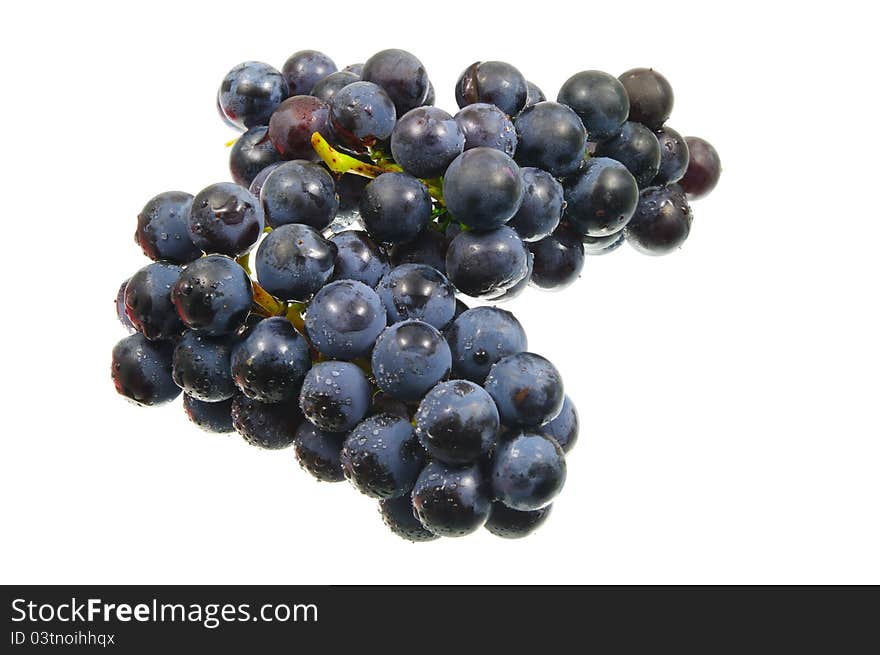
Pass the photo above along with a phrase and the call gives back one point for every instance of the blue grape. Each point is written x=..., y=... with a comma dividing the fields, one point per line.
x=250, y=154
x=425, y=141
x=409, y=358
x=294, y=261
x=201, y=367
x=485, y=125
x=402, y=76
x=318, y=452
x=266, y=425
x=344, y=319
x=335, y=396
x=395, y=207
x=486, y=264
x=552, y=137
x=513, y=523
x=600, y=198
x=382, y=456
x=599, y=99
x=416, y=291
x=527, y=389
x=210, y=417
x=457, y=422
x=362, y=114
x=141, y=370
x=303, y=69
x=358, y=258
x=452, y=501
x=564, y=428
x=636, y=147
x=528, y=471
x=662, y=221
x=299, y=192
x=650, y=96
x=250, y=92
x=481, y=336
x=225, y=219
x=148, y=303
x=559, y=259
x=674, y=156
x=161, y=228
x=542, y=204
x=294, y=122
x=271, y=363
x=399, y=516
x=493, y=82
x=213, y=295
x=329, y=86
x=483, y=188
x=428, y=248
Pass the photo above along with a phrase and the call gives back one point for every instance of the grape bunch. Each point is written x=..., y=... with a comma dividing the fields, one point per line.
x=312, y=302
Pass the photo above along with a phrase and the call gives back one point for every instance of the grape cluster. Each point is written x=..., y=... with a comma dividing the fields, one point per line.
x=312, y=301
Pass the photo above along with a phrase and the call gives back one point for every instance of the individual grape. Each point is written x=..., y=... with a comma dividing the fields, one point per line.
x=559, y=259
x=148, y=301
x=600, y=198
x=210, y=417
x=481, y=336
x=225, y=219
x=201, y=367
x=382, y=457
x=704, y=168
x=304, y=69
x=213, y=295
x=599, y=99
x=293, y=123
x=256, y=185
x=552, y=137
x=299, y=192
x=402, y=76
x=534, y=95
x=335, y=396
x=399, y=516
x=542, y=204
x=528, y=471
x=662, y=221
x=318, y=452
x=120, y=309
x=527, y=389
x=395, y=207
x=428, y=248
x=636, y=147
x=409, y=358
x=141, y=370
x=358, y=258
x=425, y=141
x=362, y=114
x=294, y=261
x=564, y=428
x=266, y=425
x=457, y=422
x=250, y=154
x=483, y=188
x=357, y=69
x=674, y=156
x=161, y=228
x=495, y=82
x=485, y=125
x=329, y=86
x=451, y=501
x=595, y=246
x=249, y=94
x=416, y=291
x=344, y=319
x=513, y=523
x=650, y=96
x=270, y=364
x=486, y=264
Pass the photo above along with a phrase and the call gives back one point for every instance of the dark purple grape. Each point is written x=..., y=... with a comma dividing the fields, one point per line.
x=162, y=228
x=402, y=76
x=293, y=123
x=704, y=168
x=650, y=97
x=495, y=82
x=304, y=69
x=251, y=153
x=141, y=370
x=249, y=94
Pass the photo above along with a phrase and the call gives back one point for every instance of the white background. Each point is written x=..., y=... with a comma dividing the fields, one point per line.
x=728, y=392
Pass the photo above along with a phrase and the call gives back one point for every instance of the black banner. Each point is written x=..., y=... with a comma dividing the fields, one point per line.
x=144, y=619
